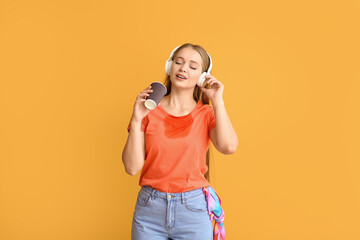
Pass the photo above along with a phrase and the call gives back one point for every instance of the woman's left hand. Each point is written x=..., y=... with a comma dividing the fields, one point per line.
x=216, y=89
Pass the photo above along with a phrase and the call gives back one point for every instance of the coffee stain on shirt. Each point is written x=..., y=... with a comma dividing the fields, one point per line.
x=178, y=127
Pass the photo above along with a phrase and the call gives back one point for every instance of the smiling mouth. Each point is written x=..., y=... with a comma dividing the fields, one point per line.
x=180, y=77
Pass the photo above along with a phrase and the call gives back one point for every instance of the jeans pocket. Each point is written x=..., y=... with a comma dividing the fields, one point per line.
x=196, y=204
x=143, y=198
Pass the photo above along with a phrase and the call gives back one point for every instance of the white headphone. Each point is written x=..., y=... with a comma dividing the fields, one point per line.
x=202, y=76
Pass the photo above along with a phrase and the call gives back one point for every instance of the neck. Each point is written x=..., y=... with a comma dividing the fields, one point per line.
x=180, y=99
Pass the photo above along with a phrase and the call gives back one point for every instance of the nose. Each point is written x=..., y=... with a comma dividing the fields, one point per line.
x=183, y=68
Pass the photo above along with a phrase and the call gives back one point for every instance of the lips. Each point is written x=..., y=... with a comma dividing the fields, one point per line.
x=180, y=76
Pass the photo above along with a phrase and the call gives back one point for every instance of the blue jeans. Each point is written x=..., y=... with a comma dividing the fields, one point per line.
x=177, y=216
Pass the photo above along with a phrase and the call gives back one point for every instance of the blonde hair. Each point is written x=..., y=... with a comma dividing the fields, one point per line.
x=198, y=94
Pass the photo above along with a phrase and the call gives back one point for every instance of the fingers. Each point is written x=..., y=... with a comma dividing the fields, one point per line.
x=143, y=95
x=145, y=92
x=209, y=79
x=149, y=87
x=212, y=80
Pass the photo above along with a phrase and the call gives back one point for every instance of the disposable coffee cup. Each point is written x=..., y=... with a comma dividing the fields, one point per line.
x=159, y=91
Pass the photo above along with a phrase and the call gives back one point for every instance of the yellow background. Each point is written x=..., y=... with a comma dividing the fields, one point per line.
x=70, y=72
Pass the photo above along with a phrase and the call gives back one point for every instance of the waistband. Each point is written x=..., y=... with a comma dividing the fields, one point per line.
x=175, y=196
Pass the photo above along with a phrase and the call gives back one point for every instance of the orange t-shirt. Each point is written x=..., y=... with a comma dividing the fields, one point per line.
x=175, y=147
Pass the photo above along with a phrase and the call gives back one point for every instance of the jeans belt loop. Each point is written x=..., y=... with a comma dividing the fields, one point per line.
x=153, y=194
x=182, y=198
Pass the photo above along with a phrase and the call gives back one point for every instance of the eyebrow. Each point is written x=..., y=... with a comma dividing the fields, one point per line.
x=190, y=60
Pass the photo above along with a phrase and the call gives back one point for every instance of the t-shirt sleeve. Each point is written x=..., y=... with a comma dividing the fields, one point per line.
x=144, y=124
x=211, y=119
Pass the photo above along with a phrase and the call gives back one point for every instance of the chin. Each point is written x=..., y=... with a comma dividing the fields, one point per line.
x=184, y=84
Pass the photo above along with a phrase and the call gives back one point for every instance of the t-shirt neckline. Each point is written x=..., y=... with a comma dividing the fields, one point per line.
x=168, y=114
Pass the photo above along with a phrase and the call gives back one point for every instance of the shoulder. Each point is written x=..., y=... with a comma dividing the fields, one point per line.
x=206, y=107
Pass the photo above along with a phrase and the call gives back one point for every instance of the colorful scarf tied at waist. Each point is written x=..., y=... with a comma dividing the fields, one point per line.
x=216, y=213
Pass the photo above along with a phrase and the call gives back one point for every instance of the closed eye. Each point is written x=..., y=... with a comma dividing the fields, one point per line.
x=190, y=67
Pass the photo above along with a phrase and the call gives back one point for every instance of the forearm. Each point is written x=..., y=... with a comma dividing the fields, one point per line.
x=226, y=137
x=133, y=155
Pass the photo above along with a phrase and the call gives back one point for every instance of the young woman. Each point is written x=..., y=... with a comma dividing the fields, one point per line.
x=170, y=145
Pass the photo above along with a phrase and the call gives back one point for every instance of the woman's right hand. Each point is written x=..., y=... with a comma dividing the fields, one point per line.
x=140, y=111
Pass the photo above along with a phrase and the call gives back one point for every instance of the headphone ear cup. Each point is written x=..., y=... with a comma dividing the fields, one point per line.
x=201, y=79
x=168, y=67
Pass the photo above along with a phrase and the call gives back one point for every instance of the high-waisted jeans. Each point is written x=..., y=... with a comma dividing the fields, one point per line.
x=159, y=215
